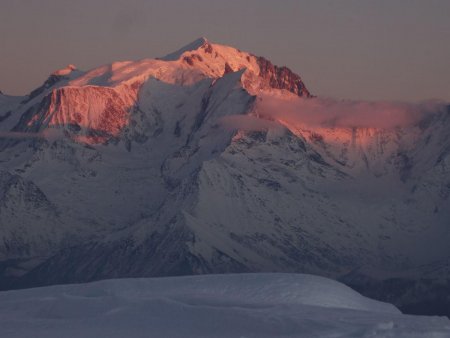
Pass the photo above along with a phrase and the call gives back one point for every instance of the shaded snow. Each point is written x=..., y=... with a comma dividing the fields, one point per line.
x=194, y=45
x=246, y=305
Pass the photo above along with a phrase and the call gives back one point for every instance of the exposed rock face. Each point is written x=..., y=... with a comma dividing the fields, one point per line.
x=282, y=78
x=228, y=68
x=208, y=48
x=22, y=205
x=61, y=75
x=92, y=112
x=50, y=82
x=188, y=60
x=218, y=60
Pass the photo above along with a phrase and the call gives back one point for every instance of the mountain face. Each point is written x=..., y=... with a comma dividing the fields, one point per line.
x=167, y=167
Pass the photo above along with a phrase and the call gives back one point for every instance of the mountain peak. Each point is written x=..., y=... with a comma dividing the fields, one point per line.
x=65, y=71
x=57, y=76
x=194, y=45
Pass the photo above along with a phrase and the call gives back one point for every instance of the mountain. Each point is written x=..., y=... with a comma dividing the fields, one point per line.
x=173, y=166
x=244, y=305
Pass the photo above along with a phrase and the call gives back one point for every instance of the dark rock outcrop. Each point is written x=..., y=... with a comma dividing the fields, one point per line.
x=228, y=69
x=281, y=77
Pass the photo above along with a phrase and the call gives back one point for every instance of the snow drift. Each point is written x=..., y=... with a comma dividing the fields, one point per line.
x=246, y=305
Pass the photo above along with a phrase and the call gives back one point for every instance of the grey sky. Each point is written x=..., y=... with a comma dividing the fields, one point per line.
x=361, y=49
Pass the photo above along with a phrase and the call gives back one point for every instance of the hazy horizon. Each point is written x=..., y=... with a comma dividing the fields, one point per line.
x=363, y=50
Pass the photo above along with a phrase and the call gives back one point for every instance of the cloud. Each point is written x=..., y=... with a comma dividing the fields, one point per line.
x=50, y=134
x=317, y=112
x=19, y=135
x=247, y=123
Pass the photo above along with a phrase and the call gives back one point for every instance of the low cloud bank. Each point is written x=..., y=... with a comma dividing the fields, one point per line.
x=19, y=135
x=248, y=123
x=346, y=114
x=51, y=134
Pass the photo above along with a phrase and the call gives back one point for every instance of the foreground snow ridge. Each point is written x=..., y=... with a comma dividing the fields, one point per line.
x=238, y=305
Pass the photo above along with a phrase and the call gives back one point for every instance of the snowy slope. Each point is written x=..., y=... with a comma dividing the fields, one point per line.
x=247, y=305
x=168, y=166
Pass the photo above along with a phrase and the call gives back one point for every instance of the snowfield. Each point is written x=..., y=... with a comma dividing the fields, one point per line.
x=235, y=305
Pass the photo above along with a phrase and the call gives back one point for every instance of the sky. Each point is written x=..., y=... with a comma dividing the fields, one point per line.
x=347, y=49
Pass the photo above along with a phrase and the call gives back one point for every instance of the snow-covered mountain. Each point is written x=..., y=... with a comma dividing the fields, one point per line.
x=172, y=166
x=244, y=305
